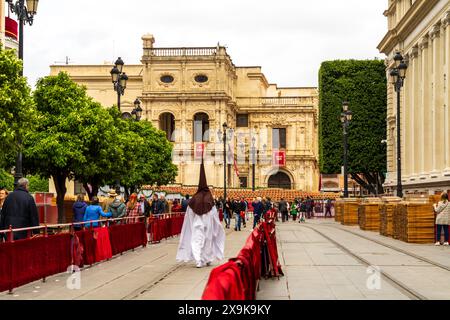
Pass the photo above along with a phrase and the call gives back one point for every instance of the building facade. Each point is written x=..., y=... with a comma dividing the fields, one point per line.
x=419, y=29
x=8, y=29
x=190, y=92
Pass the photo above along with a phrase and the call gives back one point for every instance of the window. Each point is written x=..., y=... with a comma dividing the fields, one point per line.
x=201, y=127
x=201, y=78
x=243, y=182
x=167, y=124
x=167, y=78
x=279, y=138
x=242, y=120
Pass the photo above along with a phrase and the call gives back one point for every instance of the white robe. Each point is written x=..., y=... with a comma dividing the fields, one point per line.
x=202, y=238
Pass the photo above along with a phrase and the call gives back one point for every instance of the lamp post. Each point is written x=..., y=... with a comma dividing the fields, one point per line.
x=398, y=74
x=119, y=79
x=346, y=117
x=253, y=155
x=137, y=111
x=225, y=127
x=25, y=14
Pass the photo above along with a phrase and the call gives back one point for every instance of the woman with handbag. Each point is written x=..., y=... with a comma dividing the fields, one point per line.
x=442, y=219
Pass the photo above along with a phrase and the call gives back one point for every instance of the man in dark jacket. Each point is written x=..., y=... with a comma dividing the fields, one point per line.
x=283, y=208
x=20, y=211
x=257, y=211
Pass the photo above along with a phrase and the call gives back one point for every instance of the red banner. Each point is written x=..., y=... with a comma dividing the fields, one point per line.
x=199, y=150
x=279, y=158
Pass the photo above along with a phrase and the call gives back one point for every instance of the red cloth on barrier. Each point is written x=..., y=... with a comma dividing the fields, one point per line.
x=220, y=214
x=59, y=256
x=88, y=242
x=124, y=237
x=28, y=260
x=224, y=283
x=103, y=245
x=272, y=247
x=77, y=251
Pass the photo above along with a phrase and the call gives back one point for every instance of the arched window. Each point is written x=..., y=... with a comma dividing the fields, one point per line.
x=167, y=124
x=279, y=180
x=201, y=127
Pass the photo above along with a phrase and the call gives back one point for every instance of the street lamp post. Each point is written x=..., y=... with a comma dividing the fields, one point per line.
x=398, y=74
x=253, y=153
x=137, y=111
x=346, y=117
x=25, y=14
x=225, y=127
x=119, y=79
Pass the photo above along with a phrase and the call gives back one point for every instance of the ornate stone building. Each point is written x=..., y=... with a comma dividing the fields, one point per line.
x=8, y=29
x=420, y=30
x=190, y=92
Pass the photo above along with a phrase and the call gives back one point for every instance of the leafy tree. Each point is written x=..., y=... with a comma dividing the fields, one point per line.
x=152, y=158
x=6, y=180
x=363, y=85
x=16, y=107
x=38, y=184
x=56, y=148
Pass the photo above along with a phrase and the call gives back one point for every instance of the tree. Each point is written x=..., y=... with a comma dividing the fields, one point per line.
x=17, y=110
x=363, y=85
x=57, y=147
x=152, y=160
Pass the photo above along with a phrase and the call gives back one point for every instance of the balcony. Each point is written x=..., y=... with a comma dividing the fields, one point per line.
x=184, y=52
x=276, y=101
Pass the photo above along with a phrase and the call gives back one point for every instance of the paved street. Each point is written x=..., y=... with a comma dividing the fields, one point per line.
x=315, y=267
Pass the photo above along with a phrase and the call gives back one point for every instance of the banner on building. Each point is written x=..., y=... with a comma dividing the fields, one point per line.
x=279, y=158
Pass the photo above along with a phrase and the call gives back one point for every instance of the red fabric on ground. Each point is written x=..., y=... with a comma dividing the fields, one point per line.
x=77, y=251
x=224, y=283
x=103, y=245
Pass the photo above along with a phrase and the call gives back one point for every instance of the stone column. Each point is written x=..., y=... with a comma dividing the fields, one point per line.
x=406, y=122
x=436, y=103
x=446, y=57
x=425, y=114
x=412, y=109
x=418, y=147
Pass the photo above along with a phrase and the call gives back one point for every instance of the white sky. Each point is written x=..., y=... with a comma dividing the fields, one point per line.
x=288, y=38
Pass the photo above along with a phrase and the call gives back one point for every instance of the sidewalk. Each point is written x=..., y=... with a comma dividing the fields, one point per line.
x=146, y=273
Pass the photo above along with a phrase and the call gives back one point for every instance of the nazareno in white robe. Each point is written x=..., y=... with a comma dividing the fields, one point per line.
x=202, y=238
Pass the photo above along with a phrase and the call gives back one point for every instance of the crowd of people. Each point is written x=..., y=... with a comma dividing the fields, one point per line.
x=238, y=208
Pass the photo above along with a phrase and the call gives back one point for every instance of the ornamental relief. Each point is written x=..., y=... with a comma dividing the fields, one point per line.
x=166, y=76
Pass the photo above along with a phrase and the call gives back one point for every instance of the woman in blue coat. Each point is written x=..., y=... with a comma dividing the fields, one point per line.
x=94, y=212
x=79, y=208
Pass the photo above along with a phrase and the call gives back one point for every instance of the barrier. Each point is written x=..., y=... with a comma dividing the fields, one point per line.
x=27, y=260
x=238, y=279
x=164, y=226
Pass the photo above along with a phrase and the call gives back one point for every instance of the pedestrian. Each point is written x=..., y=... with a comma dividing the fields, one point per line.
x=237, y=215
x=176, y=207
x=328, y=206
x=184, y=203
x=19, y=210
x=78, y=209
x=442, y=219
x=111, y=196
x=283, y=208
x=243, y=212
x=302, y=210
x=294, y=210
x=94, y=212
x=133, y=209
x=228, y=212
x=164, y=205
x=117, y=208
x=202, y=236
x=145, y=206
x=257, y=211
x=3, y=195
x=154, y=207
x=308, y=207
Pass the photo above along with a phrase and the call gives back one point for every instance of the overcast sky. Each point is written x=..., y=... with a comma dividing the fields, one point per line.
x=287, y=38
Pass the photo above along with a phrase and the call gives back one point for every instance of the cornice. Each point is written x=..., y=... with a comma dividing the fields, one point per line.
x=406, y=25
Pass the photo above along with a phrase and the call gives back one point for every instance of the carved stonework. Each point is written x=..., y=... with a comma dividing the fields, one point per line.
x=435, y=31
x=164, y=84
x=445, y=20
x=423, y=43
x=414, y=52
